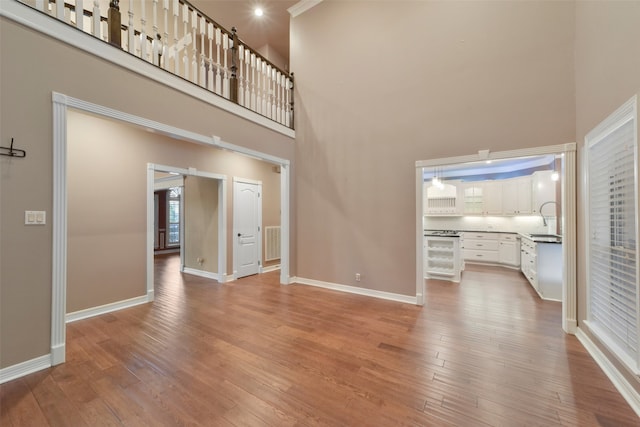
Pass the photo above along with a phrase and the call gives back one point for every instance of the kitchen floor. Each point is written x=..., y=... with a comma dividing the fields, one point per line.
x=486, y=351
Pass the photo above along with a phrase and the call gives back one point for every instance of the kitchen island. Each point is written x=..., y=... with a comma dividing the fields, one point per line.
x=442, y=255
x=541, y=264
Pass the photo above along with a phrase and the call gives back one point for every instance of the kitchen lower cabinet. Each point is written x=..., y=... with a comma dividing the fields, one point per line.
x=509, y=250
x=480, y=247
x=491, y=248
x=442, y=258
x=541, y=264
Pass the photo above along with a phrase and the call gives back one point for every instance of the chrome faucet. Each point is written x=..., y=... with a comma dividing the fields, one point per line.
x=544, y=220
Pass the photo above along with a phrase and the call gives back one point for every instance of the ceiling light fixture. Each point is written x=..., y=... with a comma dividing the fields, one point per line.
x=258, y=11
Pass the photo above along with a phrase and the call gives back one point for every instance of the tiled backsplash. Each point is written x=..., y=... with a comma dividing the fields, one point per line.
x=516, y=224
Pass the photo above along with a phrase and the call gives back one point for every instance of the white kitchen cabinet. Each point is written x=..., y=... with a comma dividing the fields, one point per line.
x=541, y=264
x=473, y=198
x=482, y=198
x=492, y=196
x=544, y=189
x=442, y=258
x=509, y=250
x=441, y=201
x=480, y=247
x=516, y=196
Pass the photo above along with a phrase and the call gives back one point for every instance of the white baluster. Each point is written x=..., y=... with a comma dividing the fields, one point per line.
x=277, y=96
x=143, y=31
x=263, y=77
x=267, y=91
x=259, y=88
x=288, y=102
x=176, y=13
x=241, y=75
x=165, y=42
x=184, y=47
x=282, y=105
x=155, y=42
x=203, y=70
x=218, y=77
x=210, y=74
x=194, y=49
x=225, y=49
x=130, y=32
x=274, y=92
x=105, y=30
x=254, y=103
x=80, y=14
x=40, y=5
x=247, y=64
x=96, y=19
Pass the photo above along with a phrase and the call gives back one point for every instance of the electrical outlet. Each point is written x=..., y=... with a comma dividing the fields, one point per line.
x=358, y=277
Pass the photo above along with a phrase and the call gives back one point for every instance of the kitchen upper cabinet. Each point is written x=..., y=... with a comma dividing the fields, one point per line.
x=472, y=196
x=516, y=196
x=482, y=198
x=441, y=200
x=492, y=197
x=544, y=190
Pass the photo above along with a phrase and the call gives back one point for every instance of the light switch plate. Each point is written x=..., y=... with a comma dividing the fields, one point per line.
x=35, y=217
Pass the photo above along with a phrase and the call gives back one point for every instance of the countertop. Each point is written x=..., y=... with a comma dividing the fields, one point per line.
x=536, y=237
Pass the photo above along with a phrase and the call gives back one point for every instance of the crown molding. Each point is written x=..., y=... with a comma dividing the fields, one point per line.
x=301, y=7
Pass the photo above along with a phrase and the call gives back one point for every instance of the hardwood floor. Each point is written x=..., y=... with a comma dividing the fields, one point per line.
x=252, y=353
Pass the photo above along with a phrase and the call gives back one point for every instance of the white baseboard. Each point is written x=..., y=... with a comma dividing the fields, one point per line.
x=201, y=273
x=619, y=381
x=167, y=251
x=292, y=279
x=25, y=368
x=271, y=268
x=355, y=290
x=229, y=278
x=107, y=308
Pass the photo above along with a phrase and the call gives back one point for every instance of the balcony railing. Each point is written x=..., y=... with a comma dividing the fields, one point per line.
x=177, y=37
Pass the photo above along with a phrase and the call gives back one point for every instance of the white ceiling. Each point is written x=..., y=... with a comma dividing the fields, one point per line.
x=271, y=29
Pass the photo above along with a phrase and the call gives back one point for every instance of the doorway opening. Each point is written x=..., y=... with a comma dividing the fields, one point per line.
x=498, y=209
x=133, y=197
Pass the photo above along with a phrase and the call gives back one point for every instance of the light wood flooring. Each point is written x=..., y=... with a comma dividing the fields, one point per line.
x=485, y=352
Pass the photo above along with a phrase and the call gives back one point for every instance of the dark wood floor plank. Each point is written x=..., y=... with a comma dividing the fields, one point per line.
x=486, y=351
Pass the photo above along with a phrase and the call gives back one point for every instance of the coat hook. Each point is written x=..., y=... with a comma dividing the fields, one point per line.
x=12, y=152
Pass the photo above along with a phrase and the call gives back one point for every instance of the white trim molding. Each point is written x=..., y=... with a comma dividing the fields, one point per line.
x=627, y=391
x=59, y=246
x=65, y=33
x=569, y=246
x=270, y=268
x=202, y=273
x=302, y=6
x=25, y=368
x=106, y=308
x=355, y=290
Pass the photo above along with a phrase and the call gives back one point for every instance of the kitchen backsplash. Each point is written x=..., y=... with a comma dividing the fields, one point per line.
x=515, y=224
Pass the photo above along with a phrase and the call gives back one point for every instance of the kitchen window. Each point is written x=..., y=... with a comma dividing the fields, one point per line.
x=611, y=230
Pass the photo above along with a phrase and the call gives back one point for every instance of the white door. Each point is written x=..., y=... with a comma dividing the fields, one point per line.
x=247, y=213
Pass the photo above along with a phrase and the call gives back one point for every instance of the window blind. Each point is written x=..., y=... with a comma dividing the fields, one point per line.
x=612, y=269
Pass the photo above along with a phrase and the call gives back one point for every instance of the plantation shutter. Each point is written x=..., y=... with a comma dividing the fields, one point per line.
x=612, y=269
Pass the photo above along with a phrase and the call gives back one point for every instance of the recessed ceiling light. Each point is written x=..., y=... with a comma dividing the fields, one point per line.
x=258, y=11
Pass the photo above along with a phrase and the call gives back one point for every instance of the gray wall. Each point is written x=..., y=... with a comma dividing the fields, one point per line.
x=32, y=67
x=201, y=212
x=382, y=84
